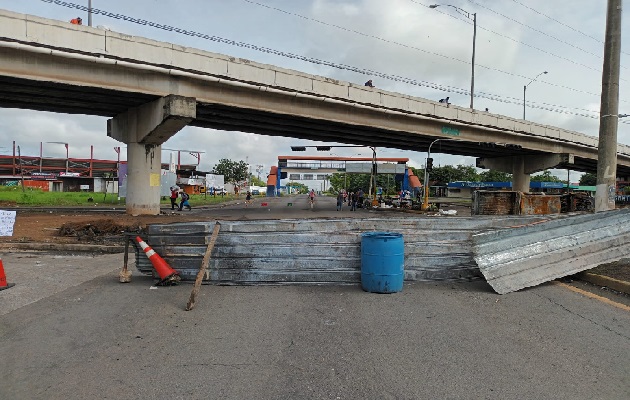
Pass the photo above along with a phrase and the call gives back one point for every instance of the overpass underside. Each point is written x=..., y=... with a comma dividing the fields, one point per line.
x=73, y=99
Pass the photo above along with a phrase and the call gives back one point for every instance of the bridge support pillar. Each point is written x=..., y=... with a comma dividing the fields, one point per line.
x=143, y=129
x=521, y=167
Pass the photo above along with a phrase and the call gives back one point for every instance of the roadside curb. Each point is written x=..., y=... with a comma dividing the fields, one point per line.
x=600, y=280
x=88, y=248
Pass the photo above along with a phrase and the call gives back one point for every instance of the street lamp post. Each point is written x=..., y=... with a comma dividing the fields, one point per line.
x=425, y=201
x=525, y=90
x=474, y=19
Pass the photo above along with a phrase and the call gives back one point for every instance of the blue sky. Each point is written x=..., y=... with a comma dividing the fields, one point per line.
x=516, y=41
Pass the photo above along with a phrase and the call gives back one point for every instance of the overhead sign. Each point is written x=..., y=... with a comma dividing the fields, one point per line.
x=70, y=174
x=382, y=168
x=43, y=176
x=447, y=130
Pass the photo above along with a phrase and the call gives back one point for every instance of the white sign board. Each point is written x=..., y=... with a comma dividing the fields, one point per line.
x=215, y=181
x=7, y=220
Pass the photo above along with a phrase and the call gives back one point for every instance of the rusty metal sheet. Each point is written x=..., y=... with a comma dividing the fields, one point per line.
x=536, y=204
x=515, y=258
x=494, y=202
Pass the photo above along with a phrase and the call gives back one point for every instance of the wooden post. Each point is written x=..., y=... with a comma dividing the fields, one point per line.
x=203, y=267
x=125, y=275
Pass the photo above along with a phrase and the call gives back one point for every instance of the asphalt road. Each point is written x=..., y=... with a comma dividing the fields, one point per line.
x=69, y=330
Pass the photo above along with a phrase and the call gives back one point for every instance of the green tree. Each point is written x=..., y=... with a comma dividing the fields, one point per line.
x=545, y=176
x=467, y=173
x=301, y=188
x=256, y=182
x=442, y=175
x=495, y=176
x=232, y=171
x=588, y=179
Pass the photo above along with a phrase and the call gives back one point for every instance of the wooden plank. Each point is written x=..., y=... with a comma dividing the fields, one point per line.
x=203, y=267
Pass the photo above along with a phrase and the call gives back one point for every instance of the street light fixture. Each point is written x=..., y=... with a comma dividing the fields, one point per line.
x=474, y=19
x=427, y=167
x=525, y=90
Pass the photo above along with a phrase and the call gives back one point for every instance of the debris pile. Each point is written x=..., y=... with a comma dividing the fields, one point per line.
x=98, y=230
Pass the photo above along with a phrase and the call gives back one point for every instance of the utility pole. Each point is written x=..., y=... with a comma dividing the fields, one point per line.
x=89, y=12
x=609, y=112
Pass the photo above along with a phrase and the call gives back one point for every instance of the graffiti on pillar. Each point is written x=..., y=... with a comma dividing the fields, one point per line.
x=149, y=150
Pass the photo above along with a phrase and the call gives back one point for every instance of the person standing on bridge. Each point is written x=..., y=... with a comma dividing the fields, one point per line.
x=76, y=21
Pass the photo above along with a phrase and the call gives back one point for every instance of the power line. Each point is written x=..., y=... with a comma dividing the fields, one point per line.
x=561, y=23
x=441, y=55
x=364, y=71
x=536, y=30
x=479, y=26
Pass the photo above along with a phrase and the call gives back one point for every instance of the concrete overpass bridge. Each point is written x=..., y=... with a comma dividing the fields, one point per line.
x=152, y=89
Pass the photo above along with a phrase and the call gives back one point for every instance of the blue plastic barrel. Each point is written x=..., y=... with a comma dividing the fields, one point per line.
x=382, y=262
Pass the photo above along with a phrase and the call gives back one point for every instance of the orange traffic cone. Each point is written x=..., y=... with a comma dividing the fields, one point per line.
x=3, y=278
x=168, y=276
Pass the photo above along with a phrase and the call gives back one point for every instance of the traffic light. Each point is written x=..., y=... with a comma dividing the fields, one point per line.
x=323, y=148
x=429, y=164
x=487, y=144
x=298, y=148
x=513, y=146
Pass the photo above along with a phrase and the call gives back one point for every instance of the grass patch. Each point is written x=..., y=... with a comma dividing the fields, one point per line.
x=13, y=196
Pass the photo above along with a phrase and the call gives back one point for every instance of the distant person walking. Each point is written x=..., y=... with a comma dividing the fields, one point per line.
x=360, y=195
x=76, y=21
x=184, y=202
x=369, y=83
x=174, y=195
x=353, y=201
x=340, y=198
x=311, y=197
x=445, y=101
x=248, y=198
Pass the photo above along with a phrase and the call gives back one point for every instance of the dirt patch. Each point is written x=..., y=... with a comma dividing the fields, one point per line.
x=81, y=226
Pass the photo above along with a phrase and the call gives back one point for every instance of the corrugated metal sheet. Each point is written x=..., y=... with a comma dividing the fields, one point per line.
x=322, y=250
x=513, y=259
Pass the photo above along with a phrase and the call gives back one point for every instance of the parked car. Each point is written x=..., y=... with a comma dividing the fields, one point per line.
x=219, y=191
x=255, y=192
